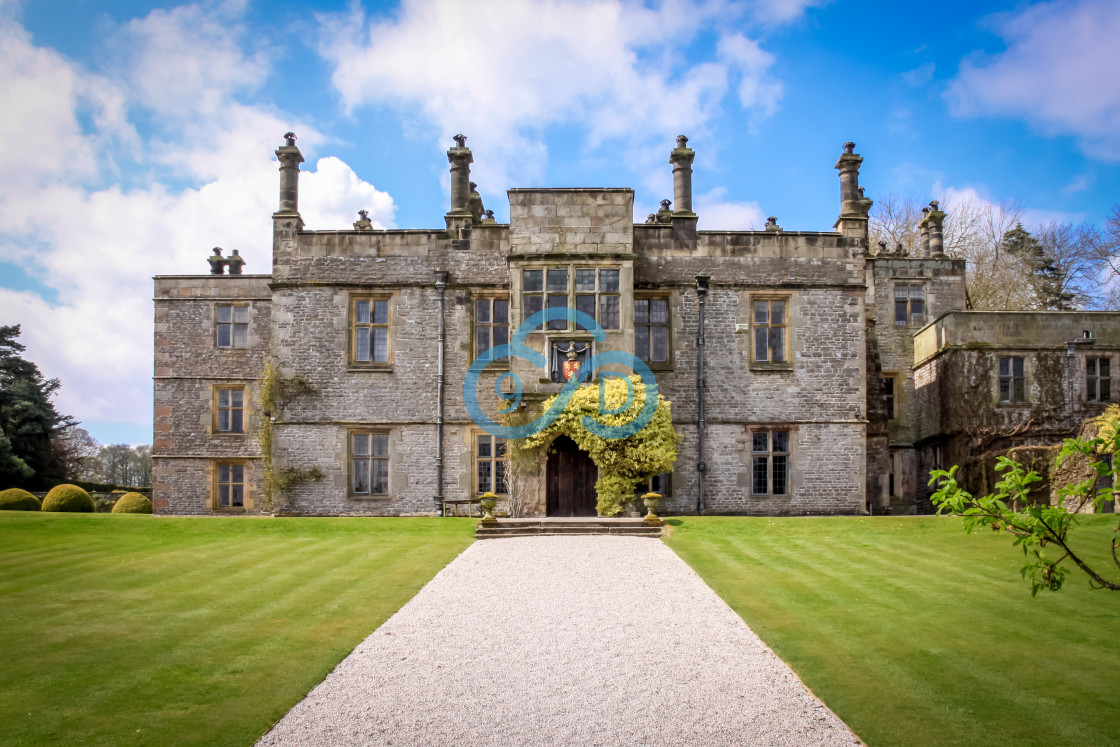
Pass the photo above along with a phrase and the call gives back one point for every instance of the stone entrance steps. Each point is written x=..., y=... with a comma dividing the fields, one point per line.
x=565, y=526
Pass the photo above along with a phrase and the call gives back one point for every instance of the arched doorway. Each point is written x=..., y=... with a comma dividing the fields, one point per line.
x=571, y=480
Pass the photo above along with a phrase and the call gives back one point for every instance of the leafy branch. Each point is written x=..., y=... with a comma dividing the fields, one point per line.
x=1037, y=526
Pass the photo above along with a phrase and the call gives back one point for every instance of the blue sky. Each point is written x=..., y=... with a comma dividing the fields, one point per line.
x=137, y=135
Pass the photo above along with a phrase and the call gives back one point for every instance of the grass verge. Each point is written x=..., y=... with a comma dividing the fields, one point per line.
x=129, y=629
x=915, y=633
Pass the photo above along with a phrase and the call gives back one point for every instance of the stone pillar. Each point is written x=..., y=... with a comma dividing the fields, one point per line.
x=460, y=158
x=936, y=219
x=854, y=207
x=290, y=158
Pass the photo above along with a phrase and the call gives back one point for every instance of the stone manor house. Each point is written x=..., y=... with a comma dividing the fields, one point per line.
x=809, y=373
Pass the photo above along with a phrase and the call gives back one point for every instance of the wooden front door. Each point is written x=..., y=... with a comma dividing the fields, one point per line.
x=571, y=480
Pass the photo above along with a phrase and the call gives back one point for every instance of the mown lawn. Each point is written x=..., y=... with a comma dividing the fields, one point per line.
x=125, y=629
x=915, y=633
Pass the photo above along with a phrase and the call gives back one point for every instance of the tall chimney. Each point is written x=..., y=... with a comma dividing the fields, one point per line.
x=923, y=226
x=290, y=159
x=936, y=219
x=681, y=158
x=854, y=207
x=461, y=159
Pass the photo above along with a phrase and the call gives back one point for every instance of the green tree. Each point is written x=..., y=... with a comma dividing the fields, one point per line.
x=623, y=462
x=28, y=419
x=1036, y=527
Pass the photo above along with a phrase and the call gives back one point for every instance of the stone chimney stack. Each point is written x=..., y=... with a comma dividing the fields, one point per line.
x=460, y=158
x=681, y=158
x=683, y=219
x=290, y=159
x=854, y=207
x=923, y=226
x=936, y=219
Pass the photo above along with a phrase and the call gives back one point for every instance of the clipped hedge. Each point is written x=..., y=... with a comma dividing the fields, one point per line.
x=132, y=503
x=17, y=499
x=68, y=498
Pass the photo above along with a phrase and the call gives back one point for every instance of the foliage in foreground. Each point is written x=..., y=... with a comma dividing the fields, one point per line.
x=16, y=499
x=622, y=462
x=1035, y=526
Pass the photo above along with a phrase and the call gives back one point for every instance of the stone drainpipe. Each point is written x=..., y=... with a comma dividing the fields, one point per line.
x=701, y=466
x=441, y=287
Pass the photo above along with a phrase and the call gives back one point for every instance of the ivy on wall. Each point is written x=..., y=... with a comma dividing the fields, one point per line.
x=276, y=389
x=623, y=463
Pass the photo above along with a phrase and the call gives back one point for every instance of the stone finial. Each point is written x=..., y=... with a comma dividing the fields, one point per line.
x=861, y=195
x=651, y=218
x=460, y=140
x=488, y=216
x=665, y=204
x=934, y=205
x=217, y=262
x=682, y=141
x=235, y=262
x=849, y=148
x=772, y=224
x=363, y=223
x=290, y=139
x=925, y=210
x=882, y=246
x=474, y=186
x=899, y=249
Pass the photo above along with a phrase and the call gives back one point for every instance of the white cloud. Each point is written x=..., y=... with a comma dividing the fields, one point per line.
x=719, y=214
x=1059, y=72
x=502, y=72
x=97, y=247
x=920, y=75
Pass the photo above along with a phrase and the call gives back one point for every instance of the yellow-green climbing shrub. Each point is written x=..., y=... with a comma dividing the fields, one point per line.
x=624, y=462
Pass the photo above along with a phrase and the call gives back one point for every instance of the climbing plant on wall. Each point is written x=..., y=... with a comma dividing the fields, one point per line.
x=623, y=463
x=277, y=388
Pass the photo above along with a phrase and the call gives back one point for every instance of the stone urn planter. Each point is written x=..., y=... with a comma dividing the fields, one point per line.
x=488, y=500
x=651, y=500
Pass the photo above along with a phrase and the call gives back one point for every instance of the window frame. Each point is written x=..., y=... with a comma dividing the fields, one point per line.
x=909, y=320
x=1015, y=396
x=216, y=409
x=571, y=294
x=477, y=437
x=353, y=325
x=1098, y=383
x=217, y=483
x=666, y=364
x=892, y=396
x=769, y=298
x=771, y=455
x=233, y=324
x=370, y=458
x=475, y=324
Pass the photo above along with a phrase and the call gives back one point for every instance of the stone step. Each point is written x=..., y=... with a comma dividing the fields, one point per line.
x=567, y=527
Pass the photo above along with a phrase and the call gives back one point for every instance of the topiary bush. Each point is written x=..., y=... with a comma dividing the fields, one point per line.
x=68, y=498
x=132, y=503
x=16, y=499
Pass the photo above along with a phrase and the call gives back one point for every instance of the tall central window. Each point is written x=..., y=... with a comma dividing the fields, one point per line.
x=371, y=330
x=594, y=291
x=770, y=462
x=651, y=329
x=231, y=410
x=770, y=331
x=491, y=324
x=1012, y=379
x=1098, y=379
x=369, y=455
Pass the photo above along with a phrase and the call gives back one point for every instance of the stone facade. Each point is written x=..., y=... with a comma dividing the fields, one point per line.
x=799, y=338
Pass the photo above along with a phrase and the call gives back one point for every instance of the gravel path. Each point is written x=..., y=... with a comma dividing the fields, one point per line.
x=589, y=640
